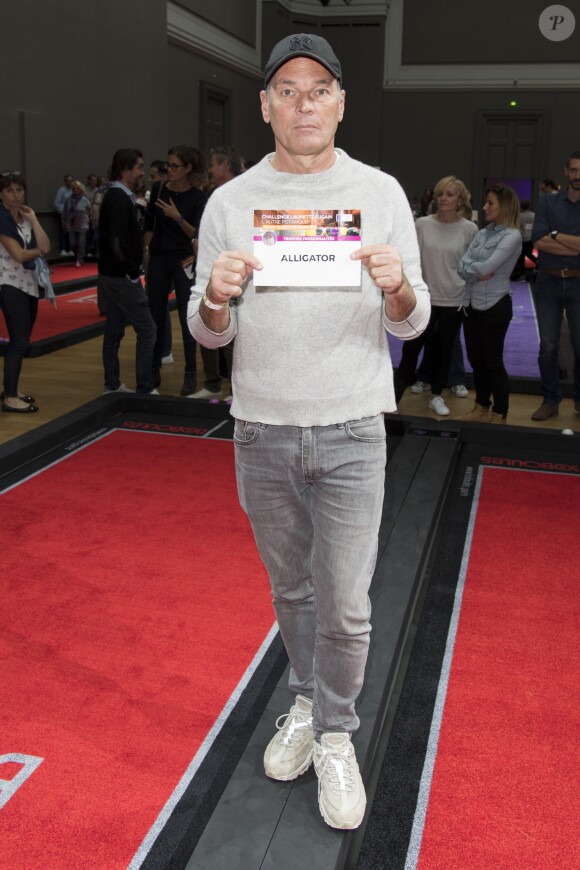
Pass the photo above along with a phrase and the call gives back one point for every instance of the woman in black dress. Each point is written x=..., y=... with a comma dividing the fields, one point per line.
x=171, y=223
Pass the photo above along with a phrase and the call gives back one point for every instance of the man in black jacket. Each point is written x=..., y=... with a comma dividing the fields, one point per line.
x=120, y=289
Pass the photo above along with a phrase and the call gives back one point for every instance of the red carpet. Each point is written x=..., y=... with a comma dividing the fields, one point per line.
x=504, y=792
x=68, y=272
x=133, y=601
x=73, y=311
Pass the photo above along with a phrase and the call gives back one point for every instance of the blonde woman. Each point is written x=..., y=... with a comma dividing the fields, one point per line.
x=486, y=267
x=443, y=239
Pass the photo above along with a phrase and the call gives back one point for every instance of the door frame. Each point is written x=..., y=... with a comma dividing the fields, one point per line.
x=480, y=171
x=206, y=91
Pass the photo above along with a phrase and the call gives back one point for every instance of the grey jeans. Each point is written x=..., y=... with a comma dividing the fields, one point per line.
x=314, y=498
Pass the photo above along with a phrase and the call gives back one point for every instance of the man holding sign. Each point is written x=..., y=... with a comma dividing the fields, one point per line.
x=312, y=378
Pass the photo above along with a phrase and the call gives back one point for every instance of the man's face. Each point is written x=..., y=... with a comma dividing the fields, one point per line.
x=304, y=107
x=217, y=170
x=68, y=180
x=91, y=181
x=573, y=174
x=134, y=174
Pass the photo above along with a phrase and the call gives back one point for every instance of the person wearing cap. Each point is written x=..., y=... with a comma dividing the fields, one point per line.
x=312, y=378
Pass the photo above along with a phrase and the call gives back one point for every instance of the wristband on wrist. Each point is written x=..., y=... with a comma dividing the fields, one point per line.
x=179, y=220
x=212, y=305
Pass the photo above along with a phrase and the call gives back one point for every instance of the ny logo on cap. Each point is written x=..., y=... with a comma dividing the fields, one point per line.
x=300, y=43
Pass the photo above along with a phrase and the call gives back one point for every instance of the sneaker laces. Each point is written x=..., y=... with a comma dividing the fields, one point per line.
x=337, y=769
x=291, y=726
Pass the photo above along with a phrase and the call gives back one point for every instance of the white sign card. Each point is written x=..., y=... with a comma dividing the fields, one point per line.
x=307, y=248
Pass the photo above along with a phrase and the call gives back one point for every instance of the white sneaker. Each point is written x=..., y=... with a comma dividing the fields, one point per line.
x=460, y=391
x=420, y=387
x=289, y=752
x=341, y=793
x=205, y=394
x=122, y=388
x=152, y=392
x=167, y=360
x=438, y=405
x=63, y=253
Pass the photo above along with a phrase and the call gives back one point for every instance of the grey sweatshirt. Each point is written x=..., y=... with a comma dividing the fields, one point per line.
x=442, y=246
x=310, y=356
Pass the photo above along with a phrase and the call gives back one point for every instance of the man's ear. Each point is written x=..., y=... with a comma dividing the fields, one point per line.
x=264, y=106
x=341, y=110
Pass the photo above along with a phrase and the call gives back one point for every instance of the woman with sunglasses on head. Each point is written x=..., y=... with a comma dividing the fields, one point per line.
x=171, y=223
x=22, y=240
x=486, y=267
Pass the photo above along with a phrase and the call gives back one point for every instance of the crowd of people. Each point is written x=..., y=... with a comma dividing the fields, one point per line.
x=169, y=203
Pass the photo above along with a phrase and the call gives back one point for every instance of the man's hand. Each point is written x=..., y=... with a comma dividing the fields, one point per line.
x=230, y=271
x=383, y=265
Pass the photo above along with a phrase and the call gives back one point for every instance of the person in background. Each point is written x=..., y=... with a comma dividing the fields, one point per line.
x=76, y=217
x=157, y=174
x=556, y=234
x=487, y=305
x=22, y=240
x=427, y=203
x=98, y=196
x=62, y=195
x=171, y=223
x=120, y=288
x=225, y=164
x=547, y=187
x=91, y=188
x=443, y=239
x=526, y=224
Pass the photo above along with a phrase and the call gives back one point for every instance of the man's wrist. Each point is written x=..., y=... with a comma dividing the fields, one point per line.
x=390, y=293
x=214, y=306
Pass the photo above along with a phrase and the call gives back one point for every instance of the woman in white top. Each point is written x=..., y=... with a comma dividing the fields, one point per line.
x=443, y=239
x=22, y=240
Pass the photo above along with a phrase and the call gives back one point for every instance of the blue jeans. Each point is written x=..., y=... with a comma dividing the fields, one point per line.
x=552, y=296
x=125, y=302
x=314, y=498
x=20, y=311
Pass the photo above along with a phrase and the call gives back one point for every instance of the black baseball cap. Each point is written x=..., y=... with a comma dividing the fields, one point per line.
x=303, y=45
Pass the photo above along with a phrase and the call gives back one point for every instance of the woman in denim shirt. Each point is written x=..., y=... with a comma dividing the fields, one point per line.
x=486, y=267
